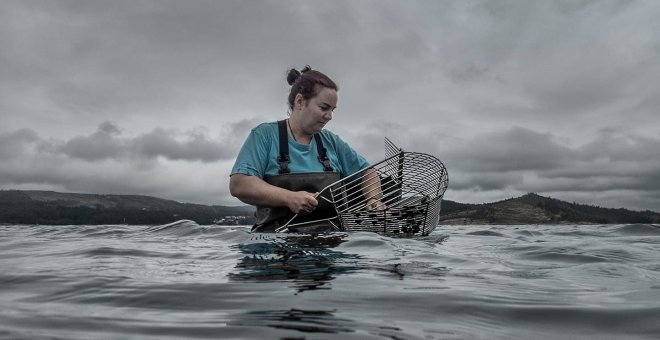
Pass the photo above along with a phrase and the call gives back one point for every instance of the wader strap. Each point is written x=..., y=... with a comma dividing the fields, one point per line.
x=323, y=156
x=283, y=159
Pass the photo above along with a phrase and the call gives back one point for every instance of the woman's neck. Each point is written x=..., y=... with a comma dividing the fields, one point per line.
x=297, y=133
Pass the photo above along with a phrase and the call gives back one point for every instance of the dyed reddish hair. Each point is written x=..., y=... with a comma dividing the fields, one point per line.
x=308, y=83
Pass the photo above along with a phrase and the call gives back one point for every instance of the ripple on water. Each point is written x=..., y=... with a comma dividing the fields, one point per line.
x=529, y=233
x=560, y=256
x=638, y=230
x=486, y=233
x=127, y=252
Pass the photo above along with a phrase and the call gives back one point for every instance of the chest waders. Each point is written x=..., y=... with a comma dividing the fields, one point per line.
x=271, y=218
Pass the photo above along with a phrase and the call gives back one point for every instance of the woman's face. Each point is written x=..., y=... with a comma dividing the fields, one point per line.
x=317, y=111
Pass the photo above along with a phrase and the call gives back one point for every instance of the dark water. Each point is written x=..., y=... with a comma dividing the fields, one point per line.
x=461, y=282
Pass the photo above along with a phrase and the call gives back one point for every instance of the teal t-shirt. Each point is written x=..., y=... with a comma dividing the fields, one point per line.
x=258, y=156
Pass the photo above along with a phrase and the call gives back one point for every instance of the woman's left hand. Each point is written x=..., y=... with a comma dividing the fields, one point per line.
x=374, y=204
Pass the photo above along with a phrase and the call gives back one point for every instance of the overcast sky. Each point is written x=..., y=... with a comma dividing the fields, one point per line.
x=560, y=98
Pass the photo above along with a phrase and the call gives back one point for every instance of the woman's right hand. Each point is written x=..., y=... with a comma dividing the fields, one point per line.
x=302, y=202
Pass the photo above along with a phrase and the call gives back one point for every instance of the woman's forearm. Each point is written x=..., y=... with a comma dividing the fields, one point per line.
x=372, y=190
x=255, y=191
x=371, y=185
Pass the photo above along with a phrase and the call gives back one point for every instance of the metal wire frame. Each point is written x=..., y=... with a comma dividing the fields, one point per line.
x=410, y=186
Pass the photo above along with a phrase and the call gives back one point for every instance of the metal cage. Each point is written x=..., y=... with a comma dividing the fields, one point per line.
x=409, y=186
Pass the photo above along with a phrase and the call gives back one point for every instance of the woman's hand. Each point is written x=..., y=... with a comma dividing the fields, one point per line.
x=254, y=190
x=302, y=202
x=375, y=204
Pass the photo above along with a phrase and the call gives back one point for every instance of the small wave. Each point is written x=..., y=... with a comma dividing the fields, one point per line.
x=486, y=233
x=411, y=269
x=638, y=230
x=9, y=281
x=614, y=255
x=369, y=243
x=529, y=233
x=119, y=252
x=554, y=257
x=625, y=275
x=434, y=238
x=591, y=232
x=183, y=228
x=179, y=228
x=105, y=230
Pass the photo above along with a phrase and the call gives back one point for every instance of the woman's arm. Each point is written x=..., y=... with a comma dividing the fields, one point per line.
x=255, y=191
x=372, y=190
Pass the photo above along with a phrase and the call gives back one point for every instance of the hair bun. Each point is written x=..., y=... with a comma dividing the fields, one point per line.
x=292, y=76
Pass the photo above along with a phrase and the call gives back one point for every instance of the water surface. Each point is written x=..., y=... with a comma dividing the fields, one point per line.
x=461, y=282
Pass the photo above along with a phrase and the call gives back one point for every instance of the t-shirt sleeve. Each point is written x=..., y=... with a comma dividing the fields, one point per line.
x=351, y=162
x=252, y=159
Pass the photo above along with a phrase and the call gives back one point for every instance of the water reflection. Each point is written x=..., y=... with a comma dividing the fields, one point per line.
x=308, y=321
x=309, y=261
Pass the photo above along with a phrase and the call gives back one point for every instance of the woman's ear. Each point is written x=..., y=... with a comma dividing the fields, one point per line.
x=299, y=101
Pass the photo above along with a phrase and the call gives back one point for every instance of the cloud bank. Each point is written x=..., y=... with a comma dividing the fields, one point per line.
x=193, y=166
x=155, y=97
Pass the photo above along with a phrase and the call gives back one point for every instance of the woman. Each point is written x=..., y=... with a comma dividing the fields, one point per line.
x=283, y=165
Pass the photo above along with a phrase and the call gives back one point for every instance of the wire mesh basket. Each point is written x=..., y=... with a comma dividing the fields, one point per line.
x=401, y=194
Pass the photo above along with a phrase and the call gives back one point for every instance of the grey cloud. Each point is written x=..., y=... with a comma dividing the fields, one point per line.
x=100, y=145
x=166, y=180
x=499, y=160
x=68, y=166
x=481, y=165
x=238, y=131
x=609, y=163
x=108, y=143
x=616, y=146
x=13, y=144
x=517, y=161
x=98, y=58
x=369, y=141
x=159, y=58
x=543, y=62
x=196, y=147
x=486, y=181
x=58, y=172
x=517, y=149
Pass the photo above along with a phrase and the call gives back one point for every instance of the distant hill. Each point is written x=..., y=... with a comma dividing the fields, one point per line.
x=56, y=208
x=536, y=209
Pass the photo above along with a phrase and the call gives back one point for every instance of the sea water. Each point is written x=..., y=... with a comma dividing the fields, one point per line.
x=184, y=280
